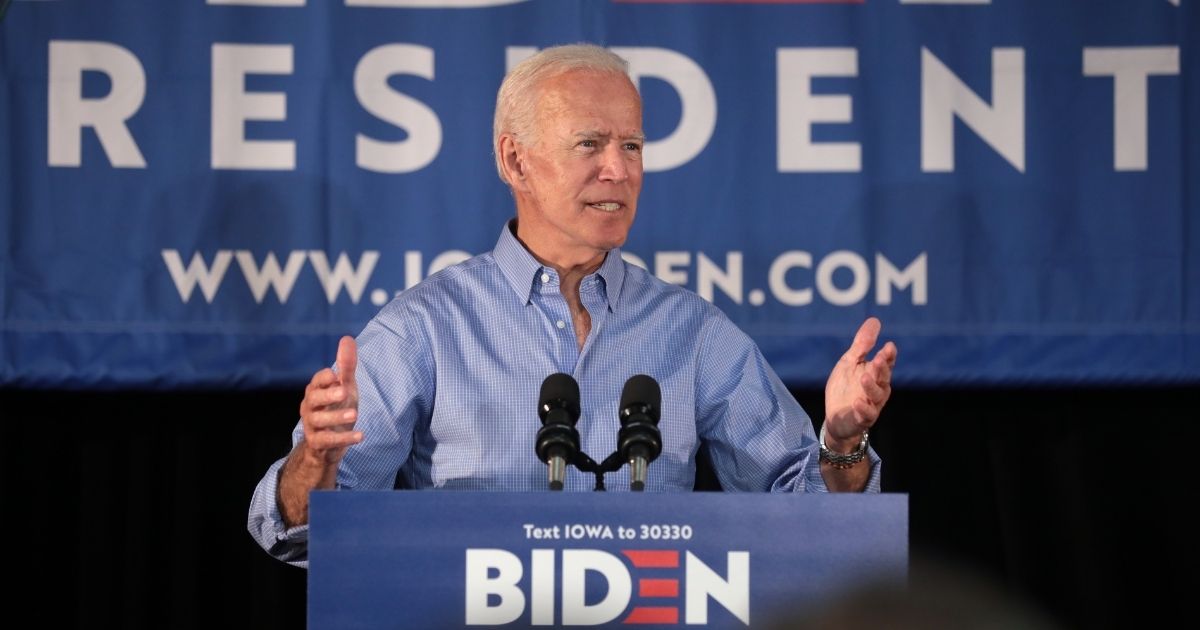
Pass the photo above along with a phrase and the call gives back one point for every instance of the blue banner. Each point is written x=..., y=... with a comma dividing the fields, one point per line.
x=210, y=193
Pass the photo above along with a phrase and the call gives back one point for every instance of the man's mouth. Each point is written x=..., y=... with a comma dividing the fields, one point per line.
x=606, y=206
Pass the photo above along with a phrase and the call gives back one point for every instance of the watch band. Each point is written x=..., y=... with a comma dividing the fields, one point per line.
x=840, y=461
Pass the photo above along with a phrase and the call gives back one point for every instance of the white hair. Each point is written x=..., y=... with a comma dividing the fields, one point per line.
x=516, y=101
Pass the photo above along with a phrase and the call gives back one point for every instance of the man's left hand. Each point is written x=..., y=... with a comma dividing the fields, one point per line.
x=858, y=388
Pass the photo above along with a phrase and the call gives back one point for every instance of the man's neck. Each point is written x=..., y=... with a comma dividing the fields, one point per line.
x=572, y=267
x=571, y=272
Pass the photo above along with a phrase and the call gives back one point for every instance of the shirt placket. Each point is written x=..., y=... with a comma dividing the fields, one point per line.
x=558, y=320
x=592, y=296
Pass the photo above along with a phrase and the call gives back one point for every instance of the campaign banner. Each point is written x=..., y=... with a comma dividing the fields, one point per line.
x=528, y=559
x=209, y=193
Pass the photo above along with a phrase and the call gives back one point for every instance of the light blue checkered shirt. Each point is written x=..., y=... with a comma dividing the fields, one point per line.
x=449, y=374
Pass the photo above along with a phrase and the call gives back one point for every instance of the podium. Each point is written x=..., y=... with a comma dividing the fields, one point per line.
x=446, y=559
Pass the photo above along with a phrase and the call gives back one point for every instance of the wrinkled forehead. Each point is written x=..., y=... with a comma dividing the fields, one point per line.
x=589, y=93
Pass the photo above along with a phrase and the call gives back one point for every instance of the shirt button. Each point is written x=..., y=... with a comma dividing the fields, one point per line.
x=545, y=277
x=560, y=323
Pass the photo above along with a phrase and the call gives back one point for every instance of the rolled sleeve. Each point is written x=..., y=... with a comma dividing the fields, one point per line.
x=289, y=544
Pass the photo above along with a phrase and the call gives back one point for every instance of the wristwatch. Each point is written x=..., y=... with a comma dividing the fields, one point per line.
x=839, y=461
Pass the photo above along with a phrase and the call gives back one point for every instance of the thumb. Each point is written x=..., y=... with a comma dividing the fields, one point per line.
x=347, y=359
x=864, y=339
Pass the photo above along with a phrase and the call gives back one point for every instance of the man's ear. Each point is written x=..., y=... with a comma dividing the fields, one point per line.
x=512, y=161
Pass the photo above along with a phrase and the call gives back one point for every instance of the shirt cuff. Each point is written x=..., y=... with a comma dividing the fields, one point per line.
x=816, y=481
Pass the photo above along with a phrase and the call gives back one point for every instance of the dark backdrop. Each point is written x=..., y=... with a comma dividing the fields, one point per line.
x=128, y=509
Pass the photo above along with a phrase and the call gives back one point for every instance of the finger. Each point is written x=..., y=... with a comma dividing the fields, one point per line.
x=880, y=368
x=329, y=440
x=323, y=378
x=866, y=413
x=889, y=352
x=347, y=359
x=322, y=391
x=864, y=339
x=874, y=392
x=321, y=381
x=337, y=419
x=333, y=395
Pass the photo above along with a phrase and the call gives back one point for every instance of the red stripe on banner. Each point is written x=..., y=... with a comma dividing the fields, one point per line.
x=653, y=614
x=658, y=588
x=740, y=1
x=643, y=559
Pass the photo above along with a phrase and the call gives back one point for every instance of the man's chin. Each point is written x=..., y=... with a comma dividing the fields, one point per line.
x=612, y=242
x=614, y=234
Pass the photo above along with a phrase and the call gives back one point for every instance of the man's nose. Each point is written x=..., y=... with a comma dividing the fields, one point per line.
x=613, y=164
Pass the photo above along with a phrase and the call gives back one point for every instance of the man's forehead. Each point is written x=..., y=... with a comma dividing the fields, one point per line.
x=570, y=87
x=587, y=98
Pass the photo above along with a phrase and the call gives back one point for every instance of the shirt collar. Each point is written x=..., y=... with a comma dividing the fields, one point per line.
x=520, y=267
x=612, y=271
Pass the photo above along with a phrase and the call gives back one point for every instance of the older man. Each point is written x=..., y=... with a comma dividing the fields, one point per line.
x=441, y=386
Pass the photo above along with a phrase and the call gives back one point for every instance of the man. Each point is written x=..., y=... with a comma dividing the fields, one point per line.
x=442, y=385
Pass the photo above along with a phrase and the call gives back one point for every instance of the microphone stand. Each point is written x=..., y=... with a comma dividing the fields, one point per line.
x=612, y=463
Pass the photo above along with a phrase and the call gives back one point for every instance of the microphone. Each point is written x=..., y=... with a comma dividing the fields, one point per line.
x=558, y=440
x=639, y=440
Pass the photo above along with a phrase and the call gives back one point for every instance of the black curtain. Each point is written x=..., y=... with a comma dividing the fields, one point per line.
x=127, y=509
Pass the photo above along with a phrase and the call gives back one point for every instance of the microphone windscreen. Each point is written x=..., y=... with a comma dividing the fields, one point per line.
x=562, y=387
x=642, y=389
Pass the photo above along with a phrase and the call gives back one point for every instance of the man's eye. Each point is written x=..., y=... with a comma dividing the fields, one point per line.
x=633, y=146
x=588, y=144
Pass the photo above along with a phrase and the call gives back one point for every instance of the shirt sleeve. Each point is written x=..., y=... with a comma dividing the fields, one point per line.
x=266, y=523
x=395, y=390
x=758, y=436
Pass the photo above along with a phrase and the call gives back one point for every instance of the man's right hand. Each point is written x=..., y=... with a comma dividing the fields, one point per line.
x=327, y=416
x=330, y=408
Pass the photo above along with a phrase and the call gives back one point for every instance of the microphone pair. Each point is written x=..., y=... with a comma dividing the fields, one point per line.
x=639, y=440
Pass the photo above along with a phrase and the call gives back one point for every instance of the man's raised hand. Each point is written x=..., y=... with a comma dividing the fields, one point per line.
x=330, y=407
x=857, y=387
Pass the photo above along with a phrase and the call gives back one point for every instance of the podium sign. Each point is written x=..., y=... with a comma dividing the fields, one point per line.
x=421, y=559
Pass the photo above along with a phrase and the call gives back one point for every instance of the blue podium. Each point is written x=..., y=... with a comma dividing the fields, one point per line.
x=422, y=559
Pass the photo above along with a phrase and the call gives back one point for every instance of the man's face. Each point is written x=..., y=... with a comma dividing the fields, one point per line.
x=583, y=170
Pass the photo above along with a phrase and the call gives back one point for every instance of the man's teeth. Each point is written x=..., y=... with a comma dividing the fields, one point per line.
x=607, y=207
